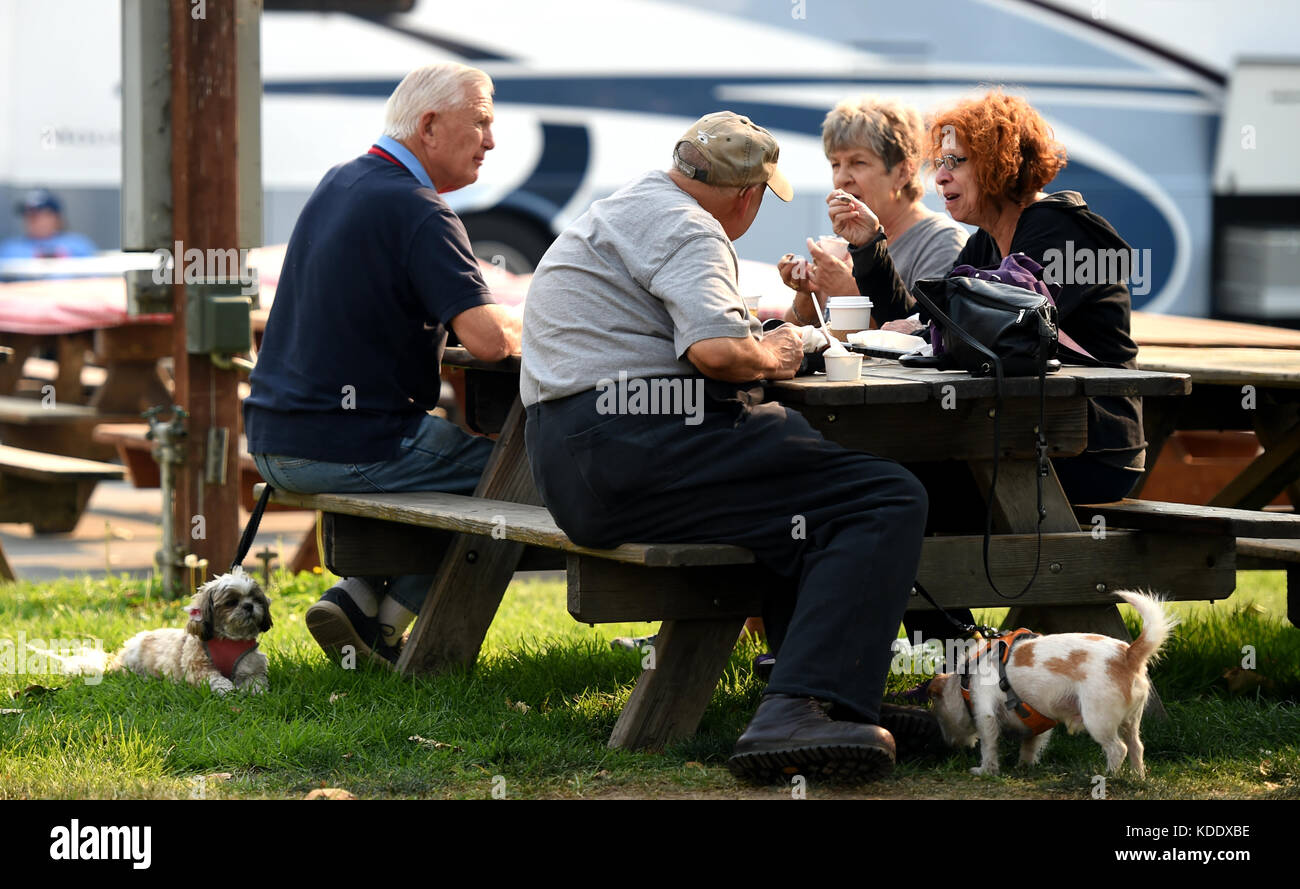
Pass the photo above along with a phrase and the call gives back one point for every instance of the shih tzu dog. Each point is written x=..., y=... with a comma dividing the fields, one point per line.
x=219, y=644
x=1030, y=683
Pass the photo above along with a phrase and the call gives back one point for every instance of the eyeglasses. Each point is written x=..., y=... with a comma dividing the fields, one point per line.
x=948, y=160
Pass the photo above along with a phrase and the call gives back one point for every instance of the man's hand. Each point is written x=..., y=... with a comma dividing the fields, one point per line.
x=785, y=345
x=851, y=219
x=490, y=332
x=831, y=276
x=740, y=359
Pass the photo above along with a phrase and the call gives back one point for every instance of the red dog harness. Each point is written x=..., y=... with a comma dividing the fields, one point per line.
x=226, y=654
x=1034, y=721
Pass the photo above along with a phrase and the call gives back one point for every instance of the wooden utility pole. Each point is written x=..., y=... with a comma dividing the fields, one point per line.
x=205, y=215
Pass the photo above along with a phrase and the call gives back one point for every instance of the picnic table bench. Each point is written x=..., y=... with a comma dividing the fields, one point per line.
x=703, y=592
x=48, y=491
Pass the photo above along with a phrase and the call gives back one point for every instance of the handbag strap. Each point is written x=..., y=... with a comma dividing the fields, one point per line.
x=1040, y=445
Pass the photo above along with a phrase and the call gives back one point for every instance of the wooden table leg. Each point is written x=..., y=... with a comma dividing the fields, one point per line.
x=475, y=572
x=673, y=693
x=11, y=371
x=1159, y=420
x=7, y=573
x=70, y=350
x=1267, y=476
x=1014, y=511
x=307, y=555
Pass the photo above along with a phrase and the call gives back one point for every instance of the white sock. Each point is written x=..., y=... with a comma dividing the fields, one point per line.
x=394, y=618
x=361, y=593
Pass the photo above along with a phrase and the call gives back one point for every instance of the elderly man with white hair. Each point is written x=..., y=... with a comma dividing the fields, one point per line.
x=377, y=269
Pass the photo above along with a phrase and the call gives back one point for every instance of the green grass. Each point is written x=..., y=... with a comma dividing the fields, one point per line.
x=539, y=707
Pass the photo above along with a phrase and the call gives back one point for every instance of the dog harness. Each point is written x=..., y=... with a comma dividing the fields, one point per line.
x=226, y=654
x=1034, y=721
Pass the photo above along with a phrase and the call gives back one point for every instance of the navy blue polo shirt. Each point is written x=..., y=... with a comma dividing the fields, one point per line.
x=377, y=266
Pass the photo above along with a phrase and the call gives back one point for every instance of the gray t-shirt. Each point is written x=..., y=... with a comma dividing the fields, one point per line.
x=628, y=288
x=928, y=249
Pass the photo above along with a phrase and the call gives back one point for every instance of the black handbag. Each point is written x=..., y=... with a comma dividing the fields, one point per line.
x=988, y=328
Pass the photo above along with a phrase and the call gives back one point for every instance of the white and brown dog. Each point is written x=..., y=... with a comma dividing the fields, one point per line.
x=219, y=644
x=1079, y=679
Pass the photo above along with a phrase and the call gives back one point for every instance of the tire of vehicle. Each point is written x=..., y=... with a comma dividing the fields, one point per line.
x=510, y=241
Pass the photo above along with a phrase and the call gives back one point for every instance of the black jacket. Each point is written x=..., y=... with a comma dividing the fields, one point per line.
x=1096, y=315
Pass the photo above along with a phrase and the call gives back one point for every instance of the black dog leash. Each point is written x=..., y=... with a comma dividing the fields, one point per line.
x=965, y=629
x=250, y=531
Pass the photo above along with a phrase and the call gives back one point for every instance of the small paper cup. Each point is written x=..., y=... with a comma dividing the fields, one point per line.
x=834, y=245
x=843, y=368
x=849, y=314
x=751, y=303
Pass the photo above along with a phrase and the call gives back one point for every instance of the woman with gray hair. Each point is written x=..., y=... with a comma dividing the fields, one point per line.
x=875, y=150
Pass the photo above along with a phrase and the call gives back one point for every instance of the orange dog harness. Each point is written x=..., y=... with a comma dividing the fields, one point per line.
x=1034, y=721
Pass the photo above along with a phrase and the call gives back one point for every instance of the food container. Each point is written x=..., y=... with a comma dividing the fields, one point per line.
x=843, y=368
x=849, y=314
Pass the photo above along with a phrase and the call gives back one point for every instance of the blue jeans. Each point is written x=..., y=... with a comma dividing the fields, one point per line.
x=439, y=457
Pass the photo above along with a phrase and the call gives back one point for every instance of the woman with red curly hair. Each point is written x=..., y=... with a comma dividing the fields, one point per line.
x=993, y=157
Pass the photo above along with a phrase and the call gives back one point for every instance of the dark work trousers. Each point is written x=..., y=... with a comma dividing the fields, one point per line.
x=844, y=527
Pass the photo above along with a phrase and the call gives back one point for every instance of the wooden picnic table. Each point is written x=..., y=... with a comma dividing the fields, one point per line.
x=702, y=592
x=1175, y=330
x=1234, y=388
x=911, y=415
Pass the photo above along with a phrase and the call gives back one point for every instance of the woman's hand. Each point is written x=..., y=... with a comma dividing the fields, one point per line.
x=904, y=325
x=794, y=272
x=831, y=276
x=851, y=219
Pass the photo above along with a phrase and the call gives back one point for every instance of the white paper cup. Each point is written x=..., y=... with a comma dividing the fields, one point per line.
x=751, y=303
x=843, y=368
x=849, y=314
x=834, y=245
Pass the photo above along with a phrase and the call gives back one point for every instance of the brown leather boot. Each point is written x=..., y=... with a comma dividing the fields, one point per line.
x=792, y=735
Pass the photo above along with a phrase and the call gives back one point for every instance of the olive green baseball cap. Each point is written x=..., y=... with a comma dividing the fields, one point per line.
x=739, y=152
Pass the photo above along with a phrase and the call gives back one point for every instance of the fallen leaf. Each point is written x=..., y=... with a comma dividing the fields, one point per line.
x=334, y=696
x=218, y=776
x=520, y=706
x=694, y=765
x=236, y=709
x=435, y=745
x=601, y=775
x=33, y=691
x=9, y=711
x=329, y=793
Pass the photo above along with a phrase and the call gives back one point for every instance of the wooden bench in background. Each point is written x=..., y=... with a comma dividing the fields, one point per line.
x=135, y=451
x=1271, y=554
x=48, y=491
x=1265, y=540
x=54, y=428
x=703, y=592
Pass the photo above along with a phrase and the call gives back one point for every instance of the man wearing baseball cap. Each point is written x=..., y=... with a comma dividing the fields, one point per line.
x=639, y=296
x=44, y=236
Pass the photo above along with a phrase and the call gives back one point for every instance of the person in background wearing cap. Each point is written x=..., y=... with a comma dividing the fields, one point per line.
x=642, y=288
x=44, y=237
